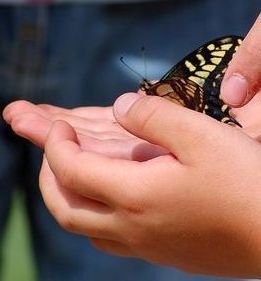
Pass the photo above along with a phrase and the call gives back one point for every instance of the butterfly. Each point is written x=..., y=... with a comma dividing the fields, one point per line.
x=195, y=81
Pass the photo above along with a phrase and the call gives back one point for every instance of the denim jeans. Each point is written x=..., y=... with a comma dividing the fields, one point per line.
x=68, y=55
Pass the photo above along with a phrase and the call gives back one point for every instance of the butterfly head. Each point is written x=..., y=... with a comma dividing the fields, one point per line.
x=145, y=85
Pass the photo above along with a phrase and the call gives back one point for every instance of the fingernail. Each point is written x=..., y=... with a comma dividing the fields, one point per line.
x=124, y=103
x=234, y=90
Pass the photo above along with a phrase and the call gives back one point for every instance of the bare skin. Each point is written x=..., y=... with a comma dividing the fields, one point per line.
x=195, y=208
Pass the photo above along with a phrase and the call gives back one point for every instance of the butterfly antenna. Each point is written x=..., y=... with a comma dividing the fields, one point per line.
x=144, y=62
x=131, y=69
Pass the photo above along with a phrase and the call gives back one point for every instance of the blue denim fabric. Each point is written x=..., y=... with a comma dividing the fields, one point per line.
x=68, y=55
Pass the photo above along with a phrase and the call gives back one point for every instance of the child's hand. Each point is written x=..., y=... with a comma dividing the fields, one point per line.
x=197, y=208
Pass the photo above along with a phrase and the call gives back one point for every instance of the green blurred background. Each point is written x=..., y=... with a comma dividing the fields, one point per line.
x=17, y=260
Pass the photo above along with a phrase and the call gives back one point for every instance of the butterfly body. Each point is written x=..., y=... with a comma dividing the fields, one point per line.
x=173, y=90
x=195, y=81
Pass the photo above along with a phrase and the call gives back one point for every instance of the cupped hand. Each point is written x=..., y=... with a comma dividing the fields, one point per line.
x=196, y=208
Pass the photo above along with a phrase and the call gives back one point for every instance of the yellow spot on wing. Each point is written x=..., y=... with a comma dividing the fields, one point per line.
x=190, y=66
x=224, y=108
x=215, y=60
x=218, y=53
x=211, y=47
x=226, y=47
x=209, y=67
x=225, y=119
x=203, y=74
x=201, y=59
x=197, y=80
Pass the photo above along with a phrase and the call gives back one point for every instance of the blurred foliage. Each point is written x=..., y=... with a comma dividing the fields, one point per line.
x=18, y=262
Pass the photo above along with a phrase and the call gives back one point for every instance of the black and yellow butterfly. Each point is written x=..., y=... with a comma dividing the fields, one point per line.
x=195, y=81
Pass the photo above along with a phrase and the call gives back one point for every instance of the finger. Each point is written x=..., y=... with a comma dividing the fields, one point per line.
x=87, y=173
x=15, y=109
x=52, y=109
x=90, y=112
x=94, y=112
x=93, y=125
x=130, y=149
x=243, y=76
x=168, y=125
x=114, y=143
x=91, y=119
x=76, y=213
x=32, y=127
x=28, y=121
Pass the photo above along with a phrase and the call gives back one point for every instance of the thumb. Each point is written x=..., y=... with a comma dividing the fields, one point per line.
x=164, y=123
x=243, y=76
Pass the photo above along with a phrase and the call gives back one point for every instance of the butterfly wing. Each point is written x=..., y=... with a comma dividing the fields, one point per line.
x=180, y=91
x=195, y=81
x=206, y=62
